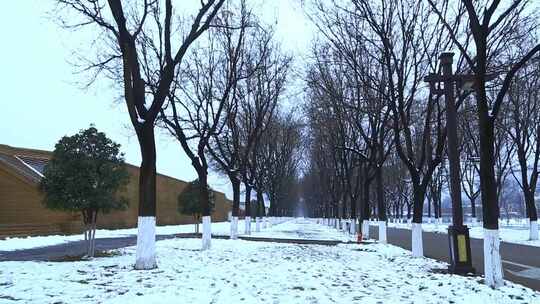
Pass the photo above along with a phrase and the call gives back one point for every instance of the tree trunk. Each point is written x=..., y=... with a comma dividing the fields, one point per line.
x=419, y=194
x=531, y=213
x=260, y=210
x=439, y=207
x=247, y=200
x=473, y=208
x=488, y=182
x=235, y=207
x=435, y=209
x=203, y=192
x=418, y=206
x=205, y=208
x=236, y=196
x=381, y=207
x=87, y=237
x=94, y=221
x=365, y=209
x=429, y=209
x=146, y=234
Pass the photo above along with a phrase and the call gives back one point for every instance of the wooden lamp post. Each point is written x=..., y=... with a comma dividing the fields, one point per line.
x=458, y=234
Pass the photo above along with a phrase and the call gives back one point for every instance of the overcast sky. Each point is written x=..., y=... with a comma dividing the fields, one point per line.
x=41, y=101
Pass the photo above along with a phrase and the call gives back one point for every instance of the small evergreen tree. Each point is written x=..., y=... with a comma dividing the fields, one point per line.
x=84, y=175
x=189, y=202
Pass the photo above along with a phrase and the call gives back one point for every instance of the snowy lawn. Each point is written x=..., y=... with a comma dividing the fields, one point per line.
x=511, y=234
x=18, y=243
x=236, y=271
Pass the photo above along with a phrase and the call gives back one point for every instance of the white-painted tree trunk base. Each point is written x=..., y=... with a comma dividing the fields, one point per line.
x=493, y=274
x=382, y=232
x=206, y=232
x=473, y=221
x=429, y=220
x=146, y=243
x=257, y=224
x=234, y=227
x=247, y=225
x=417, y=245
x=353, y=227
x=533, y=230
x=365, y=229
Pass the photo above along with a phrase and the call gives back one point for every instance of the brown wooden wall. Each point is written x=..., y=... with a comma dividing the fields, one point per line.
x=22, y=211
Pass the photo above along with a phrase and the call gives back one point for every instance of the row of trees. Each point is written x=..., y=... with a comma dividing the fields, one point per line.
x=213, y=80
x=377, y=129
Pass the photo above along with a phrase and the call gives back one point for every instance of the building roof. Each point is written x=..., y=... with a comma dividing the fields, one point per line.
x=26, y=163
x=29, y=163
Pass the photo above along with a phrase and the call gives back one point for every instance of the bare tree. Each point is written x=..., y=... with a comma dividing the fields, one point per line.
x=137, y=54
x=227, y=147
x=469, y=150
x=524, y=131
x=201, y=90
x=259, y=96
x=280, y=148
x=494, y=27
x=407, y=39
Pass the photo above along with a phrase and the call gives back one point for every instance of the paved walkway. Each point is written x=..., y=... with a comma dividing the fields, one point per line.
x=521, y=263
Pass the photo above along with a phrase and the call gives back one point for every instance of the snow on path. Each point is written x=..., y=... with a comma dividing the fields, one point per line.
x=515, y=234
x=237, y=271
x=301, y=228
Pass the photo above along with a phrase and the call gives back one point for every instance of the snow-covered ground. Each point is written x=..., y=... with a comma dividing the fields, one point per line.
x=518, y=234
x=236, y=271
x=310, y=230
x=19, y=243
